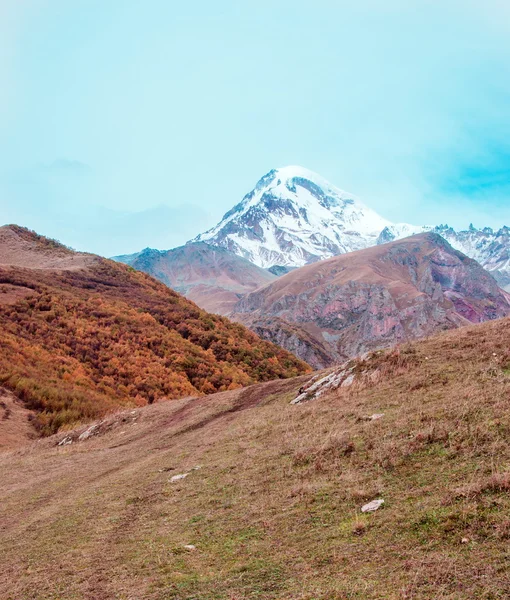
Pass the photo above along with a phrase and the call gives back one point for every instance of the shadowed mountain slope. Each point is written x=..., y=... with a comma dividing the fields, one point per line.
x=373, y=298
x=82, y=335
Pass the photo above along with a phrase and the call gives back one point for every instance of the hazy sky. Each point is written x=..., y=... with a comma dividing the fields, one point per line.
x=126, y=124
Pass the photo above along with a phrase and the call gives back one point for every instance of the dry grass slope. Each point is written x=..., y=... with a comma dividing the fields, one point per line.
x=274, y=510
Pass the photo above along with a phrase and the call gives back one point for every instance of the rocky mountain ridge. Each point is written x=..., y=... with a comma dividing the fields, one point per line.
x=489, y=247
x=344, y=306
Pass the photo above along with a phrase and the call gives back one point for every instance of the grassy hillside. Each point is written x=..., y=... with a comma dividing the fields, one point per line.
x=78, y=341
x=274, y=509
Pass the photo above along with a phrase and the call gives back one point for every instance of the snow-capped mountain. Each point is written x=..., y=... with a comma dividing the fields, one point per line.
x=488, y=247
x=294, y=217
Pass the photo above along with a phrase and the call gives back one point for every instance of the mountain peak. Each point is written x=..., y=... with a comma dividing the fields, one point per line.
x=285, y=179
x=292, y=217
x=297, y=172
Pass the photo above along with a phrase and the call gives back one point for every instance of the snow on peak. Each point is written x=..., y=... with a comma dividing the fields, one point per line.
x=297, y=172
x=294, y=216
x=285, y=179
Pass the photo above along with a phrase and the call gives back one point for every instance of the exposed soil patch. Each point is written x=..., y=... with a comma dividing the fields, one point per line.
x=10, y=294
x=15, y=422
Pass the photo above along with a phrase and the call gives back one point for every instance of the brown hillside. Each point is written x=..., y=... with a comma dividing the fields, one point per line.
x=373, y=298
x=212, y=277
x=20, y=247
x=274, y=509
x=82, y=335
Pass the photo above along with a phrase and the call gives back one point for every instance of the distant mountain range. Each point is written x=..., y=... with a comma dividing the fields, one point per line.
x=294, y=217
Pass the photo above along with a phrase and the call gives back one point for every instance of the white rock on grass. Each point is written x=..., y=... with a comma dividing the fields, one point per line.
x=372, y=506
x=178, y=477
x=299, y=399
x=316, y=387
x=376, y=416
x=348, y=381
x=190, y=547
x=88, y=433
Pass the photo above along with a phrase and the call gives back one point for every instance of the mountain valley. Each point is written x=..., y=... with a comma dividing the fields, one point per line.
x=254, y=300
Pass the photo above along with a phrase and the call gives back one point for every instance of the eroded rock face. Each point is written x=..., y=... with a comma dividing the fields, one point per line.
x=491, y=248
x=330, y=311
x=291, y=335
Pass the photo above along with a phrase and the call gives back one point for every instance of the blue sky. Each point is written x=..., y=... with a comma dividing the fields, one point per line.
x=126, y=124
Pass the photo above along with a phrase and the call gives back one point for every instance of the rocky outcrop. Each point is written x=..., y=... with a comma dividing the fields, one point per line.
x=291, y=335
x=373, y=298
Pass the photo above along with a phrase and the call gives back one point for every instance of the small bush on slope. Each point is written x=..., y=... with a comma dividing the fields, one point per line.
x=87, y=341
